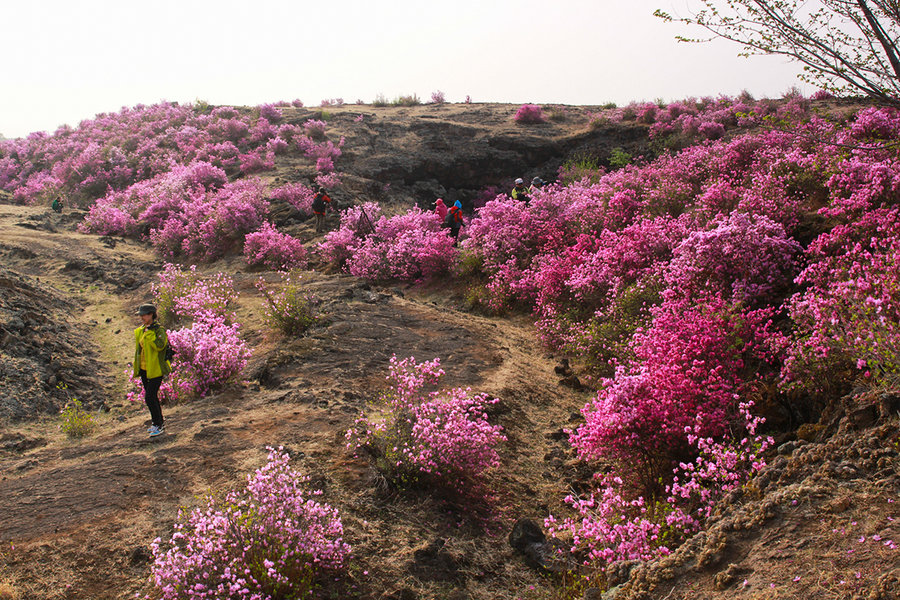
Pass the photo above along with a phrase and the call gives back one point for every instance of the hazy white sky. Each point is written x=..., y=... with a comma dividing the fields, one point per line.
x=68, y=60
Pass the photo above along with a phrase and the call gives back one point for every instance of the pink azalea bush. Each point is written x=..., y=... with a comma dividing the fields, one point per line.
x=272, y=539
x=409, y=247
x=209, y=355
x=850, y=309
x=182, y=295
x=690, y=367
x=611, y=524
x=529, y=114
x=274, y=250
x=418, y=432
x=297, y=195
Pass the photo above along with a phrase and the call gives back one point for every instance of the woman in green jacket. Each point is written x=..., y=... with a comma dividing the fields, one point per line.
x=150, y=362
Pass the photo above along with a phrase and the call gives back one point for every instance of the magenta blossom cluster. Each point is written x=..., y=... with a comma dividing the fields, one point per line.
x=408, y=247
x=850, y=308
x=273, y=249
x=529, y=114
x=271, y=540
x=209, y=355
x=186, y=294
x=611, y=524
x=690, y=367
x=116, y=150
x=297, y=195
x=420, y=432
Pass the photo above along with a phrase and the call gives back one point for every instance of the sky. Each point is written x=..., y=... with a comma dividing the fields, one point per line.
x=72, y=60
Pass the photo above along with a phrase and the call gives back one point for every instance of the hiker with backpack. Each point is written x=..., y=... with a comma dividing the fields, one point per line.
x=151, y=362
x=320, y=204
x=519, y=192
x=454, y=221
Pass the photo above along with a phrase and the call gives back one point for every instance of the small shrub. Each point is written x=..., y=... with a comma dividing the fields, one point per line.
x=297, y=103
x=268, y=541
x=618, y=158
x=181, y=294
x=380, y=100
x=411, y=100
x=315, y=129
x=529, y=114
x=437, y=97
x=210, y=356
x=76, y=422
x=289, y=309
x=417, y=435
x=558, y=114
x=273, y=249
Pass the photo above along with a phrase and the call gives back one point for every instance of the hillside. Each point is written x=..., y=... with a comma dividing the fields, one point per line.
x=505, y=313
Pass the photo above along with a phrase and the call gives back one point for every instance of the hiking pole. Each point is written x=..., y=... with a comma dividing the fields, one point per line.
x=363, y=211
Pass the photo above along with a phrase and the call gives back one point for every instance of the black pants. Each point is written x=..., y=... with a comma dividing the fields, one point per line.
x=151, y=397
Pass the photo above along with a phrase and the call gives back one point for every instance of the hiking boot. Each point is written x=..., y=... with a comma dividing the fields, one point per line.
x=155, y=431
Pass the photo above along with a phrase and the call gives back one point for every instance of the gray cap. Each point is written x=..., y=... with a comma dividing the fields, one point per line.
x=146, y=309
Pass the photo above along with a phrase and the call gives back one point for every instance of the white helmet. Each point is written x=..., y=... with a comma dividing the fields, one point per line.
x=519, y=180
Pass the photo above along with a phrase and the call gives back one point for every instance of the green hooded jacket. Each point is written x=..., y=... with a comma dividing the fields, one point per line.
x=155, y=340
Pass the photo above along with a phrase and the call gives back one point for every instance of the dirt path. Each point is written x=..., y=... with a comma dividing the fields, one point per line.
x=78, y=516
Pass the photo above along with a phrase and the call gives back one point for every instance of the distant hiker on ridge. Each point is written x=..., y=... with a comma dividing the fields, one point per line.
x=320, y=204
x=440, y=209
x=519, y=192
x=150, y=362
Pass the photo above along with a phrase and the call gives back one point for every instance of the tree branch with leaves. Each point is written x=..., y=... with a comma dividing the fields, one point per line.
x=845, y=46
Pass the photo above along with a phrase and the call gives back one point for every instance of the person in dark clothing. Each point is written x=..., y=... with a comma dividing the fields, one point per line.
x=320, y=205
x=454, y=221
x=150, y=362
x=57, y=204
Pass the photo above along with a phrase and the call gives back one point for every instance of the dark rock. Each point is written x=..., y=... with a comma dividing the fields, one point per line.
x=435, y=563
x=563, y=368
x=573, y=382
x=402, y=594
x=619, y=572
x=139, y=556
x=787, y=448
x=863, y=417
x=593, y=594
x=524, y=533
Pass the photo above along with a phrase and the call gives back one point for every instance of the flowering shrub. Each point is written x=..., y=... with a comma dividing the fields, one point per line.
x=182, y=295
x=612, y=525
x=745, y=258
x=75, y=421
x=848, y=316
x=273, y=249
x=297, y=195
x=315, y=129
x=688, y=371
x=270, y=113
x=289, y=309
x=529, y=114
x=270, y=540
x=441, y=435
x=410, y=246
x=210, y=355
x=437, y=97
